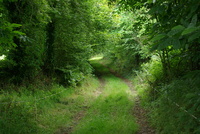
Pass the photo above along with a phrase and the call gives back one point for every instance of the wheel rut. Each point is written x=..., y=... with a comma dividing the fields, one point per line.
x=139, y=113
x=81, y=114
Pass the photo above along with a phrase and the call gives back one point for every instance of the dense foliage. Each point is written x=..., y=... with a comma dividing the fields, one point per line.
x=169, y=74
x=175, y=33
x=54, y=38
x=129, y=51
x=43, y=42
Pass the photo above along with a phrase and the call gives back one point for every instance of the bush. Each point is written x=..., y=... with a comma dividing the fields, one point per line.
x=170, y=99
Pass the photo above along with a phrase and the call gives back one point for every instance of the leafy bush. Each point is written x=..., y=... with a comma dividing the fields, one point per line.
x=169, y=99
x=129, y=51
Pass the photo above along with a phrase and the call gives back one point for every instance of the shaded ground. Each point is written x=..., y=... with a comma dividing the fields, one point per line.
x=139, y=113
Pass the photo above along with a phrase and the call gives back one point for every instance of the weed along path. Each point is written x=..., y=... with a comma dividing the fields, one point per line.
x=107, y=109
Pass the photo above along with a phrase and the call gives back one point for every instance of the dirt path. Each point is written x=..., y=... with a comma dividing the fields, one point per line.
x=139, y=113
x=101, y=87
x=78, y=116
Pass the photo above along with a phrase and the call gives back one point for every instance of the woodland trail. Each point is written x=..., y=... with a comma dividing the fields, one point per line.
x=115, y=109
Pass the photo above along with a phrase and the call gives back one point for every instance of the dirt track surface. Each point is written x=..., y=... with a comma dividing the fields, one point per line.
x=139, y=113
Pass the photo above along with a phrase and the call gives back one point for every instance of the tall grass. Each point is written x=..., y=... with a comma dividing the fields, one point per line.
x=44, y=111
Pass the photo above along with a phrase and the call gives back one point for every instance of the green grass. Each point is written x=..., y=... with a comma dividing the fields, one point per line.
x=49, y=115
x=62, y=117
x=86, y=109
x=110, y=113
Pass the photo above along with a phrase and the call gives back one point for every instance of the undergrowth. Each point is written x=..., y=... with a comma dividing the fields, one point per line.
x=169, y=101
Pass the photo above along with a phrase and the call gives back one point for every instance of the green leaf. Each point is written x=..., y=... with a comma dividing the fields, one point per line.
x=158, y=37
x=13, y=45
x=18, y=32
x=190, y=95
x=175, y=30
x=194, y=21
x=178, y=27
x=189, y=30
x=154, y=47
x=176, y=43
x=186, y=46
x=15, y=25
x=167, y=42
x=194, y=36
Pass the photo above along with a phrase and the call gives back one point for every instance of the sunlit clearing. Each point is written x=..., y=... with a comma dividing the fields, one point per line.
x=99, y=57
